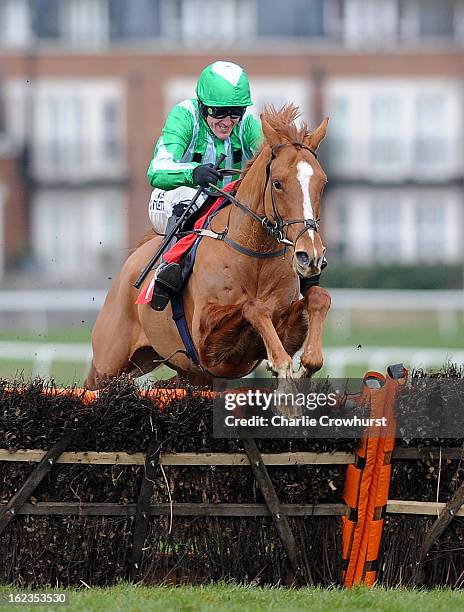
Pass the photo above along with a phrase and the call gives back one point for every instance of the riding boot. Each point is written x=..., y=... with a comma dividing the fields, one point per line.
x=313, y=281
x=168, y=276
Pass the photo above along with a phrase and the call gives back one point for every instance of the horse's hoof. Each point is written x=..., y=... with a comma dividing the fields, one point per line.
x=301, y=373
x=286, y=394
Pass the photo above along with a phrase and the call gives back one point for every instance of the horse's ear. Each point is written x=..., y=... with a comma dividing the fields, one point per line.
x=270, y=135
x=314, y=139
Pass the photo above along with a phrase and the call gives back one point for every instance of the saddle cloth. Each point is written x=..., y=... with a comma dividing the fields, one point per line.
x=177, y=252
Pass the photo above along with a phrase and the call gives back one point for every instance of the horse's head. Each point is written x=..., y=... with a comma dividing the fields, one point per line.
x=294, y=185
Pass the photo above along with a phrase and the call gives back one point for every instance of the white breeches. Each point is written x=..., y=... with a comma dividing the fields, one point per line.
x=162, y=202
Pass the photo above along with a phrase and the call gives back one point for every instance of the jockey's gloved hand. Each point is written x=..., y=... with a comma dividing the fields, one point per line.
x=179, y=208
x=205, y=174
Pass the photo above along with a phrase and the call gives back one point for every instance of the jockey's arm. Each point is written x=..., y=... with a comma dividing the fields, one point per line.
x=166, y=171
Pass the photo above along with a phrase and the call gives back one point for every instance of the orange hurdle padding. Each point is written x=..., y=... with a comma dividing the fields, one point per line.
x=358, y=478
x=367, y=567
x=362, y=537
x=163, y=396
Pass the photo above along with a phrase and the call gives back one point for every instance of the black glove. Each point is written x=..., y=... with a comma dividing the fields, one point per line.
x=179, y=208
x=205, y=174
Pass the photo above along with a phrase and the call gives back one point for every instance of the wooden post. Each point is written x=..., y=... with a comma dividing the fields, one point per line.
x=272, y=501
x=444, y=519
x=142, y=515
x=34, y=479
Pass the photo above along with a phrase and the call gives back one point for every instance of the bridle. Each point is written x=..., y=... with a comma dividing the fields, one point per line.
x=278, y=227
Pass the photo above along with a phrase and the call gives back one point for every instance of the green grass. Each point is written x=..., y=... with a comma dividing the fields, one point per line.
x=410, y=330
x=73, y=333
x=417, y=335
x=233, y=598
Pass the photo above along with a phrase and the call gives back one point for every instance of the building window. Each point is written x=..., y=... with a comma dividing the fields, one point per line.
x=395, y=128
x=110, y=134
x=46, y=23
x=339, y=132
x=208, y=21
x=84, y=22
x=63, y=144
x=386, y=228
x=373, y=21
x=290, y=18
x=15, y=25
x=430, y=19
x=340, y=217
x=436, y=19
x=430, y=139
x=386, y=143
x=277, y=92
x=431, y=223
x=78, y=131
x=134, y=19
x=63, y=248
x=2, y=110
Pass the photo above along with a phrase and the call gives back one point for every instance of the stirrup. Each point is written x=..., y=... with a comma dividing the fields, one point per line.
x=168, y=281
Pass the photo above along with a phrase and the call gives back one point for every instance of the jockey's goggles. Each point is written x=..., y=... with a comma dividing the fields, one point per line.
x=221, y=112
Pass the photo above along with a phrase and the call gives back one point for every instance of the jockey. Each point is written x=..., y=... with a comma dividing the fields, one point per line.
x=196, y=133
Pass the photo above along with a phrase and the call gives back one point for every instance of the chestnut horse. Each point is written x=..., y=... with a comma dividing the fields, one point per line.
x=242, y=301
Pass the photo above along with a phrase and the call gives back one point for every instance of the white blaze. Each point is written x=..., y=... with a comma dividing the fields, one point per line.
x=304, y=174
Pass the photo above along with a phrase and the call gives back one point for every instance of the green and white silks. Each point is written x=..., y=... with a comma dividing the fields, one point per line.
x=187, y=142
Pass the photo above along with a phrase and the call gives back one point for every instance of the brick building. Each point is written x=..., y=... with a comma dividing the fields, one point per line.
x=85, y=86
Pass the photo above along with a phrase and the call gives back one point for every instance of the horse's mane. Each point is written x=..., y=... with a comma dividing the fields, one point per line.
x=282, y=121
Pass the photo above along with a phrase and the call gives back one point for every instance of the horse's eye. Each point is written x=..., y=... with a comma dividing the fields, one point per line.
x=277, y=184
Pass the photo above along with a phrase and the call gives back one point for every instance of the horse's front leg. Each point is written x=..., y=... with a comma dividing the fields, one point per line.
x=259, y=317
x=317, y=303
x=280, y=362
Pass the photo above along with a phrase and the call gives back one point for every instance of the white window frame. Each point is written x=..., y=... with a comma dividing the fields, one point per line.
x=370, y=22
x=358, y=232
x=409, y=22
x=359, y=93
x=84, y=23
x=91, y=93
x=15, y=23
x=208, y=23
x=68, y=231
x=389, y=203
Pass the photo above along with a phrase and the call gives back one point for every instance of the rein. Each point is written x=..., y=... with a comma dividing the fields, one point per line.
x=273, y=228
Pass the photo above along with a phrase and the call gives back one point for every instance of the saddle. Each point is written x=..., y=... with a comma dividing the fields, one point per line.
x=184, y=250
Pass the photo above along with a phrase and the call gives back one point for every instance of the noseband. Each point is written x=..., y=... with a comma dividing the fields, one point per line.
x=274, y=228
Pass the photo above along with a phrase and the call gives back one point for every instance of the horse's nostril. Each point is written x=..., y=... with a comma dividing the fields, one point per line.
x=302, y=258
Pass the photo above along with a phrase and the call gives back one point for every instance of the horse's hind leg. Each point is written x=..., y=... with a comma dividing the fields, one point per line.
x=119, y=345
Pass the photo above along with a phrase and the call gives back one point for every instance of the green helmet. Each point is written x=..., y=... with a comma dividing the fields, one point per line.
x=224, y=84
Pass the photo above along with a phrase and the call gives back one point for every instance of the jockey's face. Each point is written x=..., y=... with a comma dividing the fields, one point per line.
x=222, y=128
